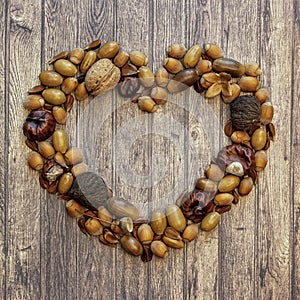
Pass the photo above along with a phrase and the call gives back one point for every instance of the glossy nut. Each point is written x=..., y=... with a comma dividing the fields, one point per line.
x=145, y=234
x=76, y=56
x=54, y=96
x=81, y=92
x=69, y=85
x=74, y=209
x=59, y=114
x=138, y=58
x=162, y=77
x=104, y=216
x=34, y=102
x=191, y=58
x=50, y=78
x=159, y=249
x=121, y=59
x=60, y=140
x=261, y=160
x=210, y=221
x=228, y=183
x=35, y=161
x=252, y=69
x=109, y=50
x=173, y=65
x=240, y=137
x=259, y=139
x=159, y=95
x=235, y=168
x=146, y=76
x=190, y=233
x=203, y=66
x=93, y=227
x=262, y=95
x=235, y=92
x=206, y=185
x=131, y=245
x=213, y=51
x=267, y=112
x=158, y=222
x=65, y=183
x=249, y=84
x=46, y=149
x=175, y=217
x=182, y=80
x=176, y=50
x=126, y=224
x=65, y=68
x=222, y=199
x=214, y=173
x=122, y=208
x=74, y=156
x=230, y=66
x=172, y=233
x=79, y=169
x=147, y=104
x=88, y=60
x=246, y=186
x=177, y=244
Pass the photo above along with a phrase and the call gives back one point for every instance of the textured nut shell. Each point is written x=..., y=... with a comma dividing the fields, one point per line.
x=102, y=76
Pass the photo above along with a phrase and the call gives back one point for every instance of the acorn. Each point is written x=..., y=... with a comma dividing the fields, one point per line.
x=108, y=50
x=240, y=137
x=81, y=92
x=191, y=58
x=261, y=160
x=121, y=59
x=146, y=76
x=35, y=161
x=147, y=104
x=89, y=59
x=159, y=249
x=162, y=77
x=104, y=216
x=59, y=114
x=213, y=51
x=267, y=112
x=54, y=96
x=259, y=139
x=93, y=227
x=228, y=183
x=50, y=78
x=235, y=92
x=262, y=95
x=206, y=185
x=158, y=221
x=175, y=217
x=183, y=80
x=246, y=186
x=203, y=66
x=69, y=85
x=60, y=140
x=214, y=173
x=60, y=159
x=252, y=69
x=176, y=51
x=65, y=183
x=65, y=68
x=177, y=244
x=138, y=58
x=159, y=95
x=228, y=65
x=210, y=221
x=172, y=233
x=46, y=149
x=110, y=237
x=145, y=234
x=76, y=56
x=131, y=245
x=249, y=84
x=222, y=199
x=173, y=65
x=122, y=208
x=74, y=209
x=228, y=129
x=34, y=102
x=190, y=232
x=74, y=156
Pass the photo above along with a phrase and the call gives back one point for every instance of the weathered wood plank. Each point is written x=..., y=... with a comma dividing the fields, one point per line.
x=22, y=199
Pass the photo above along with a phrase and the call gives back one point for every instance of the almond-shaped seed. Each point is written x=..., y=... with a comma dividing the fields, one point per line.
x=50, y=78
x=104, y=216
x=89, y=59
x=34, y=102
x=81, y=92
x=76, y=56
x=35, y=161
x=192, y=57
x=31, y=145
x=177, y=244
x=38, y=89
x=172, y=233
x=252, y=69
x=175, y=217
x=235, y=92
x=190, y=233
x=214, y=90
x=158, y=222
x=206, y=185
x=246, y=186
x=54, y=96
x=65, y=183
x=145, y=234
x=182, y=80
x=230, y=66
x=222, y=199
x=203, y=66
x=262, y=95
x=146, y=76
x=162, y=77
x=261, y=160
x=74, y=209
x=249, y=84
x=204, y=83
x=65, y=68
x=147, y=104
x=228, y=129
x=176, y=51
x=228, y=183
x=61, y=55
x=60, y=141
x=259, y=139
x=59, y=114
x=213, y=51
x=267, y=112
x=131, y=245
x=173, y=65
x=121, y=59
x=79, y=169
x=69, y=85
x=210, y=221
x=138, y=58
x=159, y=249
x=159, y=95
x=240, y=137
x=93, y=45
x=93, y=227
x=109, y=50
x=214, y=173
x=74, y=156
x=69, y=102
x=46, y=149
x=271, y=131
x=60, y=159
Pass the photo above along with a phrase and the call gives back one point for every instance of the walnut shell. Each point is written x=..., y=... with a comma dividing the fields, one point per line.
x=102, y=76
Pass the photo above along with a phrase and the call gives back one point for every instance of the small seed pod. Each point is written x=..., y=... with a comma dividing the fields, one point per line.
x=145, y=234
x=228, y=183
x=76, y=56
x=147, y=104
x=206, y=185
x=214, y=173
x=162, y=77
x=81, y=92
x=252, y=69
x=126, y=224
x=138, y=58
x=177, y=244
x=69, y=85
x=60, y=159
x=74, y=156
x=210, y=221
x=204, y=66
x=222, y=199
x=89, y=59
x=191, y=58
x=60, y=140
x=175, y=217
x=54, y=96
x=50, y=78
x=159, y=95
x=34, y=102
x=74, y=209
x=79, y=169
x=267, y=112
x=111, y=238
x=93, y=45
x=235, y=168
x=109, y=50
x=259, y=139
x=173, y=65
x=35, y=161
x=31, y=145
x=46, y=149
x=65, y=68
x=158, y=222
x=228, y=129
x=131, y=245
x=129, y=70
x=121, y=59
x=93, y=227
x=261, y=160
x=249, y=84
x=190, y=233
x=213, y=51
x=159, y=249
x=176, y=51
x=69, y=103
x=65, y=183
x=38, y=89
x=235, y=92
x=146, y=76
x=262, y=95
x=61, y=55
x=104, y=216
x=59, y=114
x=246, y=186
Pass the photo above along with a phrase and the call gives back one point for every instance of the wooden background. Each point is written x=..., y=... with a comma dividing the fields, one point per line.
x=254, y=253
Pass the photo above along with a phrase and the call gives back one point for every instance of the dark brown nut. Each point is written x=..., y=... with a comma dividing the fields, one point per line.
x=74, y=156
x=65, y=183
x=191, y=58
x=50, y=78
x=59, y=114
x=138, y=58
x=39, y=125
x=204, y=66
x=34, y=102
x=173, y=65
x=60, y=141
x=128, y=86
x=69, y=85
x=54, y=96
x=52, y=171
x=79, y=169
x=31, y=145
x=159, y=249
x=109, y=50
x=65, y=68
x=38, y=89
x=205, y=184
x=210, y=221
x=147, y=254
x=252, y=69
x=35, y=161
x=214, y=173
x=261, y=160
x=159, y=95
x=146, y=76
x=158, y=222
x=74, y=209
x=147, y=104
x=162, y=77
x=235, y=92
x=102, y=76
x=262, y=95
x=198, y=87
x=213, y=51
x=89, y=59
x=176, y=51
x=131, y=245
x=259, y=139
x=93, y=45
x=228, y=183
x=46, y=149
x=230, y=66
x=222, y=199
x=182, y=80
x=249, y=84
x=76, y=56
x=246, y=186
x=267, y=112
x=93, y=227
x=69, y=102
x=121, y=59
x=222, y=209
x=81, y=92
x=228, y=129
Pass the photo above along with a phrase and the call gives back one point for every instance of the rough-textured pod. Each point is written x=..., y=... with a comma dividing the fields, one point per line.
x=228, y=183
x=122, y=208
x=175, y=217
x=259, y=139
x=50, y=78
x=93, y=227
x=177, y=244
x=89, y=59
x=131, y=245
x=74, y=156
x=76, y=56
x=65, y=68
x=267, y=112
x=183, y=80
x=246, y=186
x=210, y=221
x=69, y=85
x=158, y=222
x=176, y=51
x=104, y=216
x=249, y=84
x=65, y=183
x=46, y=149
x=191, y=58
x=145, y=234
x=213, y=51
x=261, y=160
x=54, y=96
x=35, y=161
x=206, y=184
x=74, y=209
x=121, y=59
x=190, y=232
x=214, y=172
x=146, y=76
x=109, y=50
x=230, y=66
x=222, y=199
x=159, y=249
x=60, y=140
x=173, y=65
x=59, y=114
x=162, y=77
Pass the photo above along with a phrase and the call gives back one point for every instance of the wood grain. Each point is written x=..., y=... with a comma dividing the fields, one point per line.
x=150, y=158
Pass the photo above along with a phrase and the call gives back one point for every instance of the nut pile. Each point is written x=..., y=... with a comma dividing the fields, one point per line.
x=95, y=69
